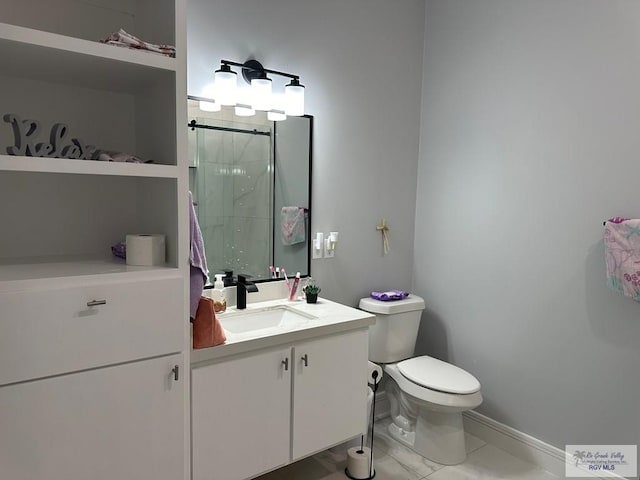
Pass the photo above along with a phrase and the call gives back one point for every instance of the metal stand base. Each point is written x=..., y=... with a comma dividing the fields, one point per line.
x=346, y=472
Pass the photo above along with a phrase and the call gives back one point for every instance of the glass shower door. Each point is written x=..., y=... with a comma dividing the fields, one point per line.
x=231, y=179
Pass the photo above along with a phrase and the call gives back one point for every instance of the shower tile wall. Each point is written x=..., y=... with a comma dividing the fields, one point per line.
x=233, y=184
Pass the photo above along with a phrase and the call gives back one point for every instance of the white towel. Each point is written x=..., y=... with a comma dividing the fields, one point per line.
x=292, y=225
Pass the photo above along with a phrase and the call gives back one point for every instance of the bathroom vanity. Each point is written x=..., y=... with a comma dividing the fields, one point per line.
x=273, y=395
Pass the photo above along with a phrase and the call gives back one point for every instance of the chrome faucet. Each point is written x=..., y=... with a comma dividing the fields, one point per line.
x=244, y=286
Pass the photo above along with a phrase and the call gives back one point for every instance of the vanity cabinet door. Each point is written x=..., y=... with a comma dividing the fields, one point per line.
x=240, y=416
x=123, y=422
x=329, y=391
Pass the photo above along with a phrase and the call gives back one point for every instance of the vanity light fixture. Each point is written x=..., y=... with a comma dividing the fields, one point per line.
x=261, y=92
x=262, y=97
x=294, y=98
x=226, y=85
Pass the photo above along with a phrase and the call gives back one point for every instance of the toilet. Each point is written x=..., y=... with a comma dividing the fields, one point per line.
x=427, y=396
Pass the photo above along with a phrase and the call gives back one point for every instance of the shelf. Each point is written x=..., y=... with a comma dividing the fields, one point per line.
x=86, y=167
x=29, y=53
x=21, y=269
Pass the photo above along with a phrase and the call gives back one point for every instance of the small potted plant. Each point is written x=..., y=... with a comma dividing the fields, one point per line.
x=311, y=292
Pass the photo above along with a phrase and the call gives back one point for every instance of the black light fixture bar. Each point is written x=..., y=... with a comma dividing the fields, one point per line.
x=251, y=67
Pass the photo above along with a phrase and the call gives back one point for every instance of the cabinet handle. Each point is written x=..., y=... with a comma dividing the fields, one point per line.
x=305, y=360
x=285, y=362
x=95, y=303
x=176, y=372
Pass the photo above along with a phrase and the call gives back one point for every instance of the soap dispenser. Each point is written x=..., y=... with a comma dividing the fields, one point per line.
x=218, y=294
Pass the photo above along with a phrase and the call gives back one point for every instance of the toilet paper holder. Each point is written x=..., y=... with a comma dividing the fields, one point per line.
x=357, y=470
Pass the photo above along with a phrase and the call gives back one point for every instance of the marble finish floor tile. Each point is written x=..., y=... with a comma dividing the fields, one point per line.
x=384, y=442
x=394, y=461
x=491, y=463
x=422, y=466
x=307, y=469
x=472, y=443
x=386, y=468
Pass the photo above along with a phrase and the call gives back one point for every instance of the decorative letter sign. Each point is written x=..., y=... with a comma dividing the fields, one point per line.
x=26, y=131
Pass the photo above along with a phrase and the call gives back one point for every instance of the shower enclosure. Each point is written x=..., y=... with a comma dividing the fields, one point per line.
x=231, y=176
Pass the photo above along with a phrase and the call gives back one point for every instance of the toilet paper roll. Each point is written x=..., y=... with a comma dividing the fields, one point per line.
x=145, y=249
x=374, y=368
x=358, y=462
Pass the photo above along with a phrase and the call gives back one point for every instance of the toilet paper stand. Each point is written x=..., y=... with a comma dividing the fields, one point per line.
x=371, y=473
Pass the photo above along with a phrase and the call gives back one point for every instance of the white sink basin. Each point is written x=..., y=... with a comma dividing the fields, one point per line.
x=263, y=321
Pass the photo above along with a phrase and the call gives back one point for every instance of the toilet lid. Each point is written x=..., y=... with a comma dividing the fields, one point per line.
x=438, y=375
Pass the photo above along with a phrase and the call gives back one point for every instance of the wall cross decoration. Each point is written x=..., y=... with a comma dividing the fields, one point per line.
x=383, y=229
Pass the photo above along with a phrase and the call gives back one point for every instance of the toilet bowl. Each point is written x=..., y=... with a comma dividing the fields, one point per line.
x=426, y=417
x=427, y=395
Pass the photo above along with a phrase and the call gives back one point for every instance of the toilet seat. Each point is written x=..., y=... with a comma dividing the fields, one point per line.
x=437, y=375
x=437, y=401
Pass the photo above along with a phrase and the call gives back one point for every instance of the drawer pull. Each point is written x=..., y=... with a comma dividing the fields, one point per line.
x=176, y=372
x=305, y=360
x=285, y=362
x=95, y=303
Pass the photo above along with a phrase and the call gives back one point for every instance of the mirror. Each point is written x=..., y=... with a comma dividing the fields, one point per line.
x=251, y=183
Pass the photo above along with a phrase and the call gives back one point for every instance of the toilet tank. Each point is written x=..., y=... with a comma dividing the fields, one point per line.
x=393, y=337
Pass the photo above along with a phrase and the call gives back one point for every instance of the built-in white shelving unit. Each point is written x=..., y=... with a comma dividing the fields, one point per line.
x=77, y=322
x=118, y=99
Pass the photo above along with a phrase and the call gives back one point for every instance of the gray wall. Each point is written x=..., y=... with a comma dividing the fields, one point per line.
x=361, y=62
x=530, y=139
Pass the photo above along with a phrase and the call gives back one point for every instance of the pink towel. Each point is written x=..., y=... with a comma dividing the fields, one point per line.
x=292, y=225
x=207, y=331
x=622, y=256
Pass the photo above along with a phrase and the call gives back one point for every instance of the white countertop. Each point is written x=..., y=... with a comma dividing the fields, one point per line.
x=330, y=318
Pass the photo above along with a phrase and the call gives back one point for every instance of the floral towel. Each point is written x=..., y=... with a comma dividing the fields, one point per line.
x=622, y=256
x=124, y=39
x=292, y=225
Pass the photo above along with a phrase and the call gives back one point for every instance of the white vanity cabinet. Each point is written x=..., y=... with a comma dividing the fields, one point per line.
x=329, y=391
x=119, y=422
x=89, y=346
x=257, y=411
x=240, y=411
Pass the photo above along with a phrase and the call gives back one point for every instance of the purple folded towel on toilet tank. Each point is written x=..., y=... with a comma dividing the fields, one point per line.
x=390, y=295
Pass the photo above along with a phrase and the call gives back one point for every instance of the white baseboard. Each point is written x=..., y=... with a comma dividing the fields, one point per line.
x=519, y=444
